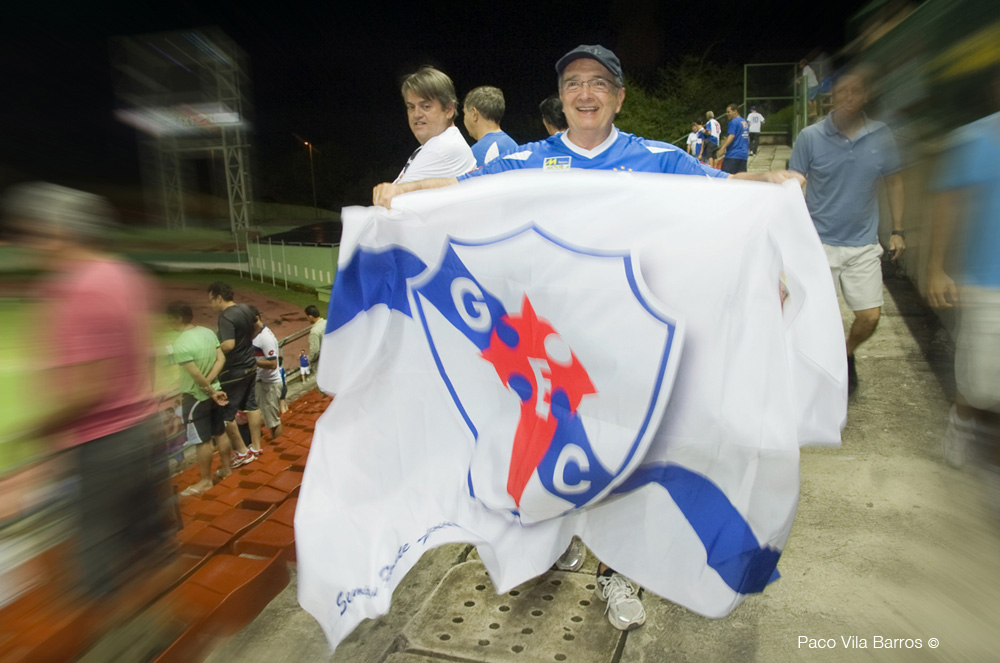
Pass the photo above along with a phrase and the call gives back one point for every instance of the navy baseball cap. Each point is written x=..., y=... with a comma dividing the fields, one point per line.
x=595, y=52
x=753, y=108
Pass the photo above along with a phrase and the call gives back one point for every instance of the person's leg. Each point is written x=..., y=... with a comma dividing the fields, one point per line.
x=865, y=322
x=252, y=410
x=235, y=391
x=253, y=421
x=973, y=423
x=225, y=448
x=270, y=410
x=203, y=418
x=203, y=456
x=267, y=403
x=103, y=512
x=234, y=438
x=861, y=285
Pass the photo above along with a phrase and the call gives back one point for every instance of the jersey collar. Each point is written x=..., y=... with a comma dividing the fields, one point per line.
x=597, y=151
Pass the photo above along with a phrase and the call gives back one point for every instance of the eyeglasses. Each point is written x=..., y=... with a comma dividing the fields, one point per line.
x=595, y=85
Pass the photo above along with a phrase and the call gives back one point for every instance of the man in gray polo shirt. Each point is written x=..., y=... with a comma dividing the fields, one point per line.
x=844, y=158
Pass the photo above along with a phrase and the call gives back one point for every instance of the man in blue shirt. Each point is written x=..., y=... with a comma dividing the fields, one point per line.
x=844, y=158
x=483, y=110
x=592, y=90
x=735, y=149
x=968, y=195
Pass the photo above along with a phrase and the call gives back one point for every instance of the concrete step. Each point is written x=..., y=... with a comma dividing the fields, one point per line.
x=554, y=617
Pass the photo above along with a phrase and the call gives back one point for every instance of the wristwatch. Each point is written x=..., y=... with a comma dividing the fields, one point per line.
x=901, y=233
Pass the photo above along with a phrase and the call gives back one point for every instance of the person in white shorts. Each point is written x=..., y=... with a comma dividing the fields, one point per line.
x=844, y=159
x=265, y=349
x=303, y=365
x=967, y=207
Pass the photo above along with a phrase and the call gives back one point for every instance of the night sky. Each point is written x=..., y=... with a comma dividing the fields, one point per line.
x=330, y=73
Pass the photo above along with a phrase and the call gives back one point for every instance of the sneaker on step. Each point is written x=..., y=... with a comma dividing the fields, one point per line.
x=574, y=556
x=239, y=460
x=624, y=609
x=256, y=453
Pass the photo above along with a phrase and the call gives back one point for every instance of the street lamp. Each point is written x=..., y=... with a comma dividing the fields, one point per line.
x=312, y=176
x=312, y=173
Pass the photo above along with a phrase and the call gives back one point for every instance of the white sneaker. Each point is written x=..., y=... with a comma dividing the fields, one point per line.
x=574, y=556
x=959, y=440
x=239, y=460
x=624, y=611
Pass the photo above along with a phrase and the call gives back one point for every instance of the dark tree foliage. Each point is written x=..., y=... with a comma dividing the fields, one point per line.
x=679, y=93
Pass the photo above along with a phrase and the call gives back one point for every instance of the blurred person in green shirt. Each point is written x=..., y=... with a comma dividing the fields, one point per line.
x=199, y=358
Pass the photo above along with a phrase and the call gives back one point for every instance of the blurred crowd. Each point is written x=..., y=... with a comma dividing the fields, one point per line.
x=109, y=390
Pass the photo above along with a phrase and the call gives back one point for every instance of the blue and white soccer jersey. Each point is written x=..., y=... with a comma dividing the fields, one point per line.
x=621, y=151
x=739, y=129
x=714, y=128
x=491, y=146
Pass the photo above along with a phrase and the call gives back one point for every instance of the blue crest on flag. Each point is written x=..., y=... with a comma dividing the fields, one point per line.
x=557, y=358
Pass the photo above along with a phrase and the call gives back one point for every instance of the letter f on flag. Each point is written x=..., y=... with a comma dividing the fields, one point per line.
x=534, y=361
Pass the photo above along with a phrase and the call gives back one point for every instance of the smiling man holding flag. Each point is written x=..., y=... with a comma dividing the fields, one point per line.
x=533, y=356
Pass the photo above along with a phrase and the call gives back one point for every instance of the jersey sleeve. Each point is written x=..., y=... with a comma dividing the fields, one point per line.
x=712, y=172
x=677, y=162
x=513, y=161
x=268, y=346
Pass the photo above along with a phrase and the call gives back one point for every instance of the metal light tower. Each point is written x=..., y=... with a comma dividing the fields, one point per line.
x=188, y=93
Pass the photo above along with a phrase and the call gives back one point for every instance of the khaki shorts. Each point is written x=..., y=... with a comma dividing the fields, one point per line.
x=977, y=347
x=268, y=397
x=857, y=273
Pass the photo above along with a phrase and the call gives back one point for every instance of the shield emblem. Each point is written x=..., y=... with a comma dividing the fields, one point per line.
x=559, y=361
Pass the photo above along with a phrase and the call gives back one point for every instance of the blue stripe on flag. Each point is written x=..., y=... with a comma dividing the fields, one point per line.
x=463, y=301
x=370, y=279
x=733, y=550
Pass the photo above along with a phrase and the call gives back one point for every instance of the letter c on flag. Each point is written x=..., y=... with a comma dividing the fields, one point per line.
x=481, y=321
x=578, y=456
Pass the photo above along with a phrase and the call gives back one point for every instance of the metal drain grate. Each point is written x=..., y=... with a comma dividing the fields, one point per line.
x=554, y=617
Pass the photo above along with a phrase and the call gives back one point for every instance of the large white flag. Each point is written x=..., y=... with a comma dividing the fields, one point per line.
x=632, y=358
